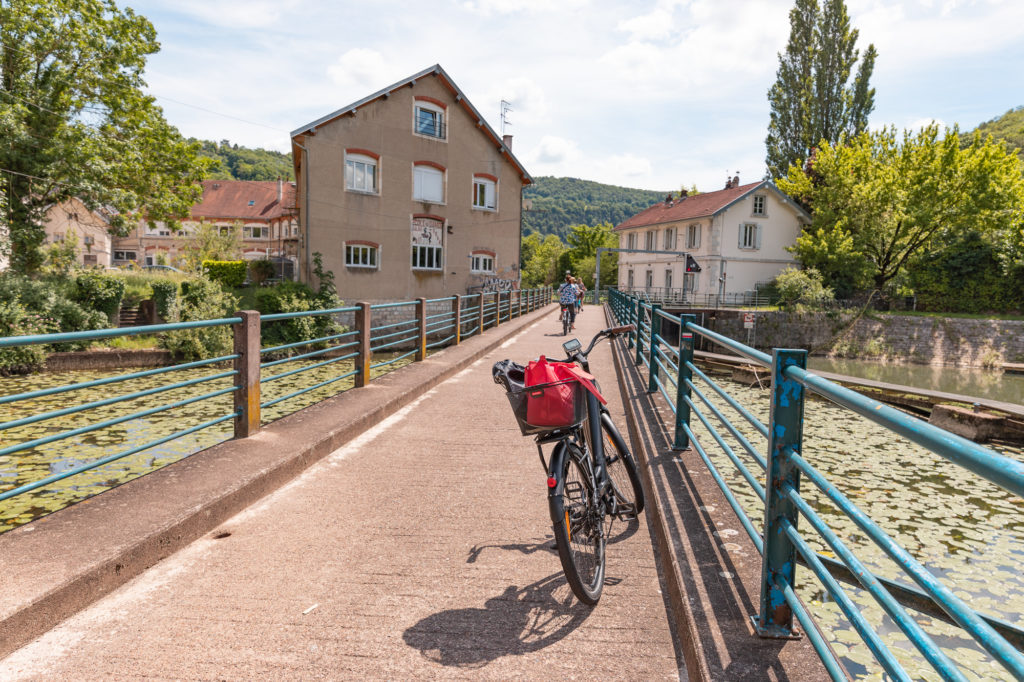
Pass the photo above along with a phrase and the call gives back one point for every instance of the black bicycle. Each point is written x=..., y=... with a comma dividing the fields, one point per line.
x=568, y=317
x=592, y=477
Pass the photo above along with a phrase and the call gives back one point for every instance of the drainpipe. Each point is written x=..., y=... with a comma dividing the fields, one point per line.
x=305, y=213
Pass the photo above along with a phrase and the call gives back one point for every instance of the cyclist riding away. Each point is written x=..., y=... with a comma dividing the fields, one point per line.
x=567, y=294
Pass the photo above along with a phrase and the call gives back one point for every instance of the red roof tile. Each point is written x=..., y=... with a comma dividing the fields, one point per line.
x=245, y=200
x=699, y=206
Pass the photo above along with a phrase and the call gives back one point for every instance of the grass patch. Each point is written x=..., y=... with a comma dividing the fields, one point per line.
x=143, y=342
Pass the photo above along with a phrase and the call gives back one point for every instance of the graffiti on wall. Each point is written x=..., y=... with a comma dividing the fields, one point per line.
x=503, y=280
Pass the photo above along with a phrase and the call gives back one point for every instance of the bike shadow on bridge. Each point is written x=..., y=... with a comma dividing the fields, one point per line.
x=516, y=622
x=720, y=573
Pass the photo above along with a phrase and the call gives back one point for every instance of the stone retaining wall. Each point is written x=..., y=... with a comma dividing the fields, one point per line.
x=897, y=338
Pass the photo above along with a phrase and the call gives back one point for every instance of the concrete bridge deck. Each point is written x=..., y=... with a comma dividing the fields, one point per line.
x=420, y=548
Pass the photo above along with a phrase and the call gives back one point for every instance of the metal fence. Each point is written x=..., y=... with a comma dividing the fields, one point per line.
x=251, y=366
x=776, y=482
x=681, y=298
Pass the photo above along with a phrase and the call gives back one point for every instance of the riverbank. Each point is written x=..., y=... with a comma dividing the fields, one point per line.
x=914, y=339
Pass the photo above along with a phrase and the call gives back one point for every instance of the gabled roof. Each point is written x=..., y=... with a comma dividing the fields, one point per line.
x=447, y=81
x=245, y=200
x=703, y=206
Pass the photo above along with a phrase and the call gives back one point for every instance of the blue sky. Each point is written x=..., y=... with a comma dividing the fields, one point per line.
x=653, y=94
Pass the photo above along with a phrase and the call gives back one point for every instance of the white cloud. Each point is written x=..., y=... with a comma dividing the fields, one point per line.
x=238, y=13
x=488, y=7
x=528, y=100
x=361, y=68
x=629, y=166
x=553, y=151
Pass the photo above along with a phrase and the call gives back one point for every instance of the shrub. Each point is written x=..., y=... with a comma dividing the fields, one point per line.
x=165, y=295
x=293, y=297
x=230, y=273
x=49, y=299
x=260, y=271
x=201, y=299
x=100, y=291
x=16, y=320
x=802, y=287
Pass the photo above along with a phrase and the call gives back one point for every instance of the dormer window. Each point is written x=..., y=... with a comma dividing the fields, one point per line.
x=252, y=202
x=429, y=118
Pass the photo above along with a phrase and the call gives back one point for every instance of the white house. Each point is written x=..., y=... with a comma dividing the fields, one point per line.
x=737, y=235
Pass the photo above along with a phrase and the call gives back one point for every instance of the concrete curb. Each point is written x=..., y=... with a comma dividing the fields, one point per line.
x=62, y=563
x=685, y=625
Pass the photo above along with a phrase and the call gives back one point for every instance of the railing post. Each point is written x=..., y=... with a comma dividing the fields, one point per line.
x=639, y=357
x=247, y=364
x=421, y=324
x=480, y=329
x=458, y=319
x=652, y=352
x=632, y=338
x=785, y=432
x=519, y=303
x=363, y=322
x=497, y=308
x=682, y=441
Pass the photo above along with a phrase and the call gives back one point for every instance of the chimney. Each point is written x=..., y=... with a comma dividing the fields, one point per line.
x=683, y=194
x=735, y=181
x=668, y=200
x=728, y=182
x=507, y=141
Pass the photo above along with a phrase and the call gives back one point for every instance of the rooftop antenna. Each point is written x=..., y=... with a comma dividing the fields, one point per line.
x=505, y=108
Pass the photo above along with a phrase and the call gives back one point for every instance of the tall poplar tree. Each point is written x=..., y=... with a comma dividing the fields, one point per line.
x=74, y=121
x=813, y=98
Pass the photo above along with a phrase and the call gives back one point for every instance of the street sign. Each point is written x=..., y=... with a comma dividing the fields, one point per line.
x=748, y=320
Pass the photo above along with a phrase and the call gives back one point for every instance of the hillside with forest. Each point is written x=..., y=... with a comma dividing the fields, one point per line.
x=235, y=162
x=1009, y=128
x=551, y=205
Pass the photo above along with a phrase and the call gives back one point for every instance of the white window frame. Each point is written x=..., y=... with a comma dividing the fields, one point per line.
x=649, y=280
x=485, y=202
x=668, y=278
x=761, y=210
x=670, y=239
x=440, y=115
x=629, y=278
x=650, y=240
x=124, y=255
x=693, y=236
x=429, y=258
x=422, y=171
x=362, y=256
x=356, y=166
x=749, y=236
x=263, y=230
x=481, y=263
x=631, y=240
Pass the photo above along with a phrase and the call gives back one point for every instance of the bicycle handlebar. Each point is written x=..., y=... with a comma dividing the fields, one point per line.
x=609, y=332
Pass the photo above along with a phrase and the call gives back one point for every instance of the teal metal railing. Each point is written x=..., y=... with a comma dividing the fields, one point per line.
x=776, y=483
x=351, y=338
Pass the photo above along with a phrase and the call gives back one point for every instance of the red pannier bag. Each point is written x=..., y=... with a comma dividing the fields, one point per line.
x=554, y=404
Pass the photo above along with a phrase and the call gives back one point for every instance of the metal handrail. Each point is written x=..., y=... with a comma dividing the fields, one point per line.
x=782, y=466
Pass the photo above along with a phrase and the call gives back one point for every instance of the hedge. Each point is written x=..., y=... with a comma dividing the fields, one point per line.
x=230, y=273
x=101, y=292
x=165, y=294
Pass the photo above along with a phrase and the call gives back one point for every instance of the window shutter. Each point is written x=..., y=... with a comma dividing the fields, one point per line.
x=696, y=238
x=739, y=239
x=757, y=243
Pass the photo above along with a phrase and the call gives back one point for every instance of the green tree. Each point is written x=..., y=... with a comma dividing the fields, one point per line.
x=879, y=201
x=541, y=268
x=1009, y=128
x=813, y=99
x=211, y=242
x=581, y=256
x=75, y=121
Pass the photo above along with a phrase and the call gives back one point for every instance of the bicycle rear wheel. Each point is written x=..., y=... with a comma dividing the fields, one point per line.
x=622, y=469
x=576, y=518
x=565, y=322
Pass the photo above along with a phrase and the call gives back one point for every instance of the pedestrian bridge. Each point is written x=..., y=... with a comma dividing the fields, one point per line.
x=400, y=529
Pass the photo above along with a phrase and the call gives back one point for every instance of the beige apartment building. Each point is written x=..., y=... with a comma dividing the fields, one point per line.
x=737, y=235
x=265, y=210
x=72, y=220
x=409, y=192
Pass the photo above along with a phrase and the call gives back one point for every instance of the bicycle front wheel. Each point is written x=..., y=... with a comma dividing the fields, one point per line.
x=576, y=518
x=622, y=469
x=565, y=323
